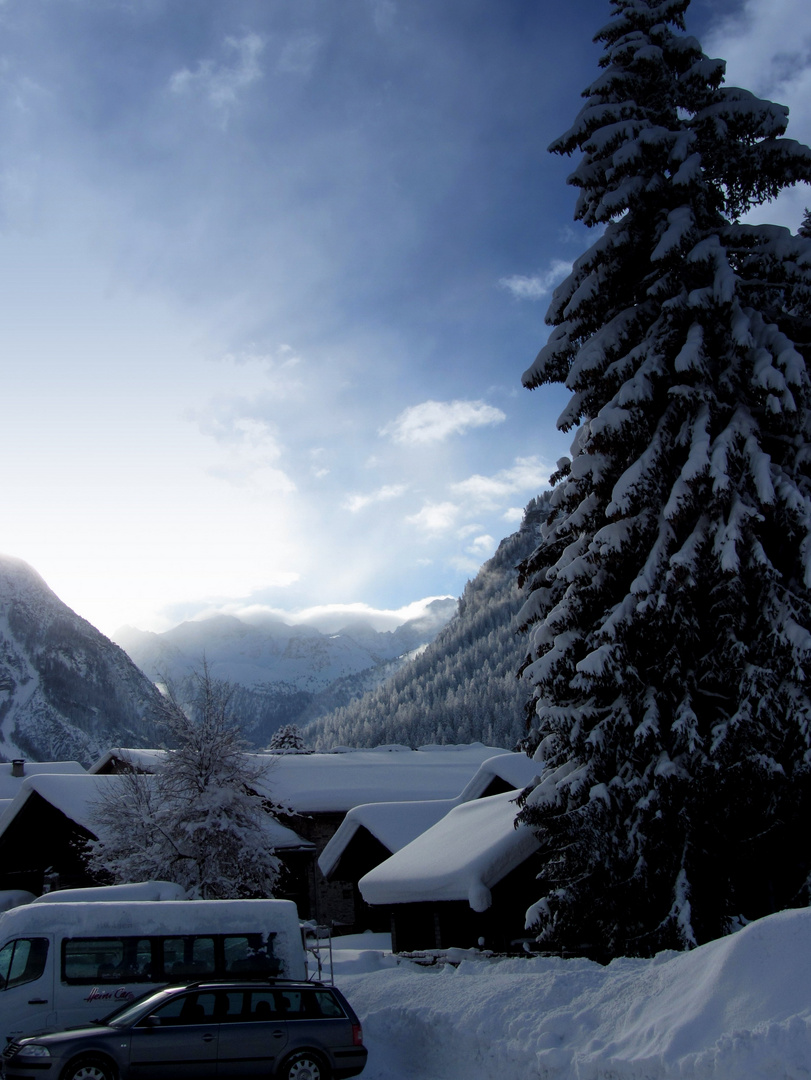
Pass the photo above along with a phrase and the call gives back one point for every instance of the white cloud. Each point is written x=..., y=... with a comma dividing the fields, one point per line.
x=529, y=475
x=539, y=285
x=433, y=421
x=251, y=451
x=328, y=617
x=435, y=517
x=354, y=503
x=514, y=515
x=465, y=564
x=222, y=84
x=483, y=546
x=767, y=45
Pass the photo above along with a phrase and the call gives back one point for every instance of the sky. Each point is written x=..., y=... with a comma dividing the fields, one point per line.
x=272, y=272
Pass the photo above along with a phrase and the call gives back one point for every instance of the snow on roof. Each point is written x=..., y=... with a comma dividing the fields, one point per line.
x=337, y=781
x=393, y=824
x=462, y=857
x=515, y=769
x=10, y=784
x=75, y=796
x=145, y=760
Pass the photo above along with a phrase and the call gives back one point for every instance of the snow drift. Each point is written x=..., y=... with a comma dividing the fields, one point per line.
x=735, y=1008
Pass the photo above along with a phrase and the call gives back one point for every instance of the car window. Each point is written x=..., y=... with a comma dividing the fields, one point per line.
x=135, y=1010
x=195, y=1008
x=304, y=1004
x=290, y=1002
x=327, y=1004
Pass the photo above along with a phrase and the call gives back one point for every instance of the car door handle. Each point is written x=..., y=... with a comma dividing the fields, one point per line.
x=208, y=1038
x=278, y=1034
x=38, y=1001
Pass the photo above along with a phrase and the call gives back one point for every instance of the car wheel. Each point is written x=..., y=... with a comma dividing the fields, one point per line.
x=304, y=1066
x=90, y=1068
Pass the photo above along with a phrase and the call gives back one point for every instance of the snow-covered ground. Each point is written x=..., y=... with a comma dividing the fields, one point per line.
x=735, y=1009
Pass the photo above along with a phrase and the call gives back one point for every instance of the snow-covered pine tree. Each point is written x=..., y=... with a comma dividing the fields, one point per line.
x=287, y=739
x=668, y=611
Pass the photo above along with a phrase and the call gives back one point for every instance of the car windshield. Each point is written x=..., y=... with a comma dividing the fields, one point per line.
x=128, y=1014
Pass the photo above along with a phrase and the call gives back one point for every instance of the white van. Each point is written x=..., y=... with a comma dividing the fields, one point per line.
x=65, y=964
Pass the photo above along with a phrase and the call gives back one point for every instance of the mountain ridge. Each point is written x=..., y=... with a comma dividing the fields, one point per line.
x=281, y=672
x=66, y=691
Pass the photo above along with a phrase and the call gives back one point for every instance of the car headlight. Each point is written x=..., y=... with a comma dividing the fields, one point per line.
x=34, y=1050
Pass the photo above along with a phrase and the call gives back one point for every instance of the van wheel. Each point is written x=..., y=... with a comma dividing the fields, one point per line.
x=304, y=1066
x=90, y=1068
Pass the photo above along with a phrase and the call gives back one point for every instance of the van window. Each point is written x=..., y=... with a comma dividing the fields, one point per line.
x=250, y=954
x=106, y=959
x=22, y=961
x=184, y=956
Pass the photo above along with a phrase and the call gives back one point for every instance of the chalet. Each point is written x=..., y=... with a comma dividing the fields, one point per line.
x=466, y=881
x=368, y=835
x=371, y=833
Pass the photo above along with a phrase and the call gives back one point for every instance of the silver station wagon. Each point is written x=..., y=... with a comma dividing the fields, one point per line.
x=291, y=1031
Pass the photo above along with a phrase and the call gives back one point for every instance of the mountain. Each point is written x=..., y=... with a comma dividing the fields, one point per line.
x=283, y=673
x=66, y=691
x=463, y=686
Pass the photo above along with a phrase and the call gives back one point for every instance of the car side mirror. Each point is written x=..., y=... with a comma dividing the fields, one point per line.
x=152, y=1021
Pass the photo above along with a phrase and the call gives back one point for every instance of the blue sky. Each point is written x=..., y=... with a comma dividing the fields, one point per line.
x=273, y=270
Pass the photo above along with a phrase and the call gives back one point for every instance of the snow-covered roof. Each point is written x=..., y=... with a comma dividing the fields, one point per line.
x=397, y=824
x=394, y=824
x=143, y=760
x=10, y=784
x=338, y=781
x=516, y=770
x=462, y=857
x=76, y=795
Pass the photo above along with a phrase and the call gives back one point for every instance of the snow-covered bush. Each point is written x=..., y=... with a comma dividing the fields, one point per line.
x=196, y=821
x=288, y=740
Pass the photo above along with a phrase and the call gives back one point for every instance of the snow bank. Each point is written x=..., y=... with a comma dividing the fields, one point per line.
x=736, y=1008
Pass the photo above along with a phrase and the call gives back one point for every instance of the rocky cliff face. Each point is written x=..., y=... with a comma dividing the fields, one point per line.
x=66, y=691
